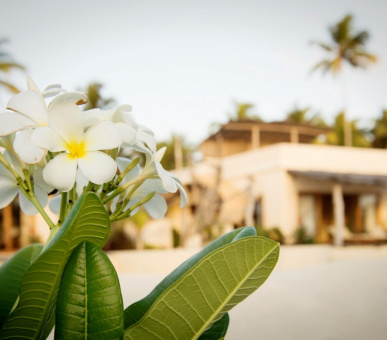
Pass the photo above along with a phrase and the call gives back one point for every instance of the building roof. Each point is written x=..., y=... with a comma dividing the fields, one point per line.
x=345, y=178
x=241, y=129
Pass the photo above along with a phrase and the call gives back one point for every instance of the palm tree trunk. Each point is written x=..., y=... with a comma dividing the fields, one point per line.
x=347, y=125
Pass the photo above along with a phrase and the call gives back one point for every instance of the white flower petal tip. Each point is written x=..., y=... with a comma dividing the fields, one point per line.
x=52, y=90
x=31, y=105
x=78, y=98
x=31, y=85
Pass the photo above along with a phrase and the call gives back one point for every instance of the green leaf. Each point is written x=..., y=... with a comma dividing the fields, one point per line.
x=218, y=329
x=87, y=221
x=137, y=310
x=11, y=273
x=208, y=290
x=89, y=304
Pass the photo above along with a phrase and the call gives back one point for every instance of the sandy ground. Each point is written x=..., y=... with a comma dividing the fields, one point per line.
x=343, y=299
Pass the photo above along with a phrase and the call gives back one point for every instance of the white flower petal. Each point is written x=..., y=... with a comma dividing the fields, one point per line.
x=65, y=118
x=128, y=133
x=82, y=181
x=47, y=138
x=15, y=163
x=60, y=172
x=123, y=163
x=97, y=167
x=91, y=117
x=156, y=207
x=6, y=173
x=12, y=122
x=31, y=85
x=31, y=105
x=52, y=90
x=39, y=180
x=160, y=154
x=54, y=204
x=8, y=191
x=147, y=139
x=149, y=186
x=183, y=194
x=77, y=98
x=103, y=136
x=26, y=206
x=169, y=183
x=26, y=149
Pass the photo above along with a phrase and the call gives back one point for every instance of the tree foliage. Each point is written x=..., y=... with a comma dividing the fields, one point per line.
x=96, y=99
x=336, y=136
x=379, y=131
x=305, y=116
x=346, y=45
x=7, y=64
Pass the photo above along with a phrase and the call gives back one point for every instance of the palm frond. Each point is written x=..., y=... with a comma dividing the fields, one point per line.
x=7, y=66
x=9, y=86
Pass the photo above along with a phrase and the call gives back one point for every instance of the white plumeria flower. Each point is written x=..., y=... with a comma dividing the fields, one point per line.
x=120, y=117
x=156, y=207
x=78, y=150
x=31, y=112
x=9, y=188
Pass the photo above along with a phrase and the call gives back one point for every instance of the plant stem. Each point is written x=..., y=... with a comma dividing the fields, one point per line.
x=138, y=204
x=125, y=202
x=127, y=169
x=63, y=206
x=27, y=188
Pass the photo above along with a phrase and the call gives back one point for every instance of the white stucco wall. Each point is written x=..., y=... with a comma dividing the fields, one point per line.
x=279, y=190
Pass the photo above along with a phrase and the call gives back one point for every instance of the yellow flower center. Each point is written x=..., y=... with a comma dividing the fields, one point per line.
x=76, y=150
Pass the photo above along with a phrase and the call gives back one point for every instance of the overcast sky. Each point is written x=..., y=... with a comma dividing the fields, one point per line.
x=181, y=64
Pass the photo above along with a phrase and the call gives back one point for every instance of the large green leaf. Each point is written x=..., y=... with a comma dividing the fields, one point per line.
x=89, y=304
x=11, y=273
x=208, y=290
x=137, y=310
x=87, y=221
x=218, y=329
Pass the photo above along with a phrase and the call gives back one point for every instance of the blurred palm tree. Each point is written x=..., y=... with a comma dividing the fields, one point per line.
x=177, y=154
x=7, y=65
x=346, y=46
x=336, y=136
x=304, y=116
x=379, y=132
x=96, y=100
x=243, y=111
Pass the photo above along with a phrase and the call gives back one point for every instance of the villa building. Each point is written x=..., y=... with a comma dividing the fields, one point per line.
x=271, y=175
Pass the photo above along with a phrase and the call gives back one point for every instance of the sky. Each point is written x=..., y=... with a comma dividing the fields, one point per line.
x=183, y=64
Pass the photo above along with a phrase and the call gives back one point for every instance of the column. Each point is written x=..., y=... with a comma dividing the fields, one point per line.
x=255, y=138
x=339, y=214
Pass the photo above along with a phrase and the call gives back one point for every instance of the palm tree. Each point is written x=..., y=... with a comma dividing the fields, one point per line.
x=96, y=100
x=243, y=111
x=303, y=116
x=379, y=132
x=6, y=65
x=177, y=154
x=336, y=136
x=347, y=46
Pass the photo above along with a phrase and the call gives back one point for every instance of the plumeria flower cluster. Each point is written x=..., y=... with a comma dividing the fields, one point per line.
x=53, y=147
